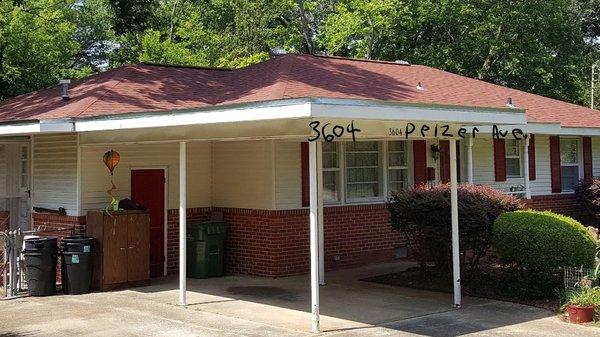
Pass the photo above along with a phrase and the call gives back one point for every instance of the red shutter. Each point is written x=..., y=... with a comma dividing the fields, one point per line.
x=587, y=158
x=531, y=151
x=420, y=161
x=305, y=178
x=555, y=164
x=444, y=160
x=500, y=159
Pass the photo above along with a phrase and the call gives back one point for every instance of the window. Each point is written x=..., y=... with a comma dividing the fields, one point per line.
x=513, y=158
x=569, y=163
x=397, y=166
x=363, y=171
x=331, y=172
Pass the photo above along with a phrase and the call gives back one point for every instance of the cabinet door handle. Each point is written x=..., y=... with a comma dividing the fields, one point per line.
x=122, y=248
x=130, y=247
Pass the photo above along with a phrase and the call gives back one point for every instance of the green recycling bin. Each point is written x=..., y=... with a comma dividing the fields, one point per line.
x=205, y=247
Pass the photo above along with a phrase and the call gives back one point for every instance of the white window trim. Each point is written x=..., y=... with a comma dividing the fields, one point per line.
x=383, y=152
x=519, y=157
x=383, y=189
x=387, y=168
x=337, y=169
x=579, y=163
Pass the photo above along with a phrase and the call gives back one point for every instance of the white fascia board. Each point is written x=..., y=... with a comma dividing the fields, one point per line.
x=56, y=125
x=361, y=109
x=578, y=132
x=44, y=126
x=226, y=115
x=544, y=129
x=19, y=129
x=535, y=128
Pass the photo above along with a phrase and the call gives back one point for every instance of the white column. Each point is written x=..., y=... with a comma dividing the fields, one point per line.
x=470, y=159
x=454, y=217
x=526, y=168
x=182, y=222
x=314, y=236
x=320, y=213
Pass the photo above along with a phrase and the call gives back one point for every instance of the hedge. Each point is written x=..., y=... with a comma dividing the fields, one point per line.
x=543, y=241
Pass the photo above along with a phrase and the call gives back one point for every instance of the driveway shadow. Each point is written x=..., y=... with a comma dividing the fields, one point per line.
x=347, y=305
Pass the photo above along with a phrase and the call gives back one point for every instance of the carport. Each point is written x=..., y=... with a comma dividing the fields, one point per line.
x=316, y=120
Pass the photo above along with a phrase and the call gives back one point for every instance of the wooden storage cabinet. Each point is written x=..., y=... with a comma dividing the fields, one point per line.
x=122, y=251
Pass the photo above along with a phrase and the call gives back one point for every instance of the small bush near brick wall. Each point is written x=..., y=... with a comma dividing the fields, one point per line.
x=543, y=240
x=535, y=245
x=588, y=195
x=423, y=215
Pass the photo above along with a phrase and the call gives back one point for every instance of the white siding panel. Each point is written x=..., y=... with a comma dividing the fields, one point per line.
x=288, y=175
x=596, y=156
x=3, y=171
x=243, y=174
x=95, y=176
x=483, y=166
x=55, y=172
x=543, y=182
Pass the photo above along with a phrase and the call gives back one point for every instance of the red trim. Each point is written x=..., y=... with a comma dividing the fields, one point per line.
x=444, y=160
x=587, y=158
x=499, y=160
x=305, y=178
x=420, y=161
x=555, y=164
x=531, y=151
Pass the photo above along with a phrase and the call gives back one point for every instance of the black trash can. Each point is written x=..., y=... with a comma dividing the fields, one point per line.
x=40, y=265
x=76, y=260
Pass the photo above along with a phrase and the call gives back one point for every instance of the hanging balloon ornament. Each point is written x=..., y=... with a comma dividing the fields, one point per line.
x=111, y=160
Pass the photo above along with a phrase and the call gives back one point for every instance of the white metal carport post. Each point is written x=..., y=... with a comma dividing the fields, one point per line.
x=182, y=223
x=313, y=162
x=454, y=217
x=470, y=159
x=526, y=168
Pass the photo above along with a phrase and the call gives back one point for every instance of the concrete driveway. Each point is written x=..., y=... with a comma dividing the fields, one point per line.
x=247, y=306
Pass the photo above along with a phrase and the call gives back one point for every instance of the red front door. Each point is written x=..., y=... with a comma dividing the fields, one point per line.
x=148, y=189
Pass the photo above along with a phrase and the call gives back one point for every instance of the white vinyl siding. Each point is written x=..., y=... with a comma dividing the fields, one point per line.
x=288, y=175
x=483, y=166
x=96, y=177
x=243, y=174
x=55, y=172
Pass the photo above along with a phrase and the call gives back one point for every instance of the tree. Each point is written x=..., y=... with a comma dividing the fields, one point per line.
x=36, y=45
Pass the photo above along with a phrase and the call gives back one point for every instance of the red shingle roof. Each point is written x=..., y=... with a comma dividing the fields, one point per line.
x=146, y=87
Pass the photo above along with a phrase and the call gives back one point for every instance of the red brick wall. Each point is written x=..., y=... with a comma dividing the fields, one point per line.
x=48, y=224
x=276, y=243
x=193, y=214
x=566, y=204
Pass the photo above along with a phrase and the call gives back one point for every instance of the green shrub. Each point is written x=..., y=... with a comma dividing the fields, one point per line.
x=422, y=214
x=543, y=241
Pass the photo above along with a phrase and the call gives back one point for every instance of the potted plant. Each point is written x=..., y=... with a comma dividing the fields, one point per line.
x=581, y=304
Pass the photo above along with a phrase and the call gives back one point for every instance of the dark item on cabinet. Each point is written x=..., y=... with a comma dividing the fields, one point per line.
x=122, y=252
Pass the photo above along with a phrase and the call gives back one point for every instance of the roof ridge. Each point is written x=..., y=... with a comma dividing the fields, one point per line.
x=509, y=88
x=127, y=68
x=185, y=66
x=284, y=71
x=407, y=64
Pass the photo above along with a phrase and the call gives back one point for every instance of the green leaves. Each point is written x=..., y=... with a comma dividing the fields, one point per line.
x=546, y=47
